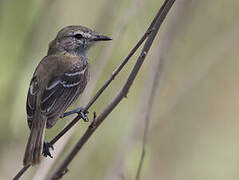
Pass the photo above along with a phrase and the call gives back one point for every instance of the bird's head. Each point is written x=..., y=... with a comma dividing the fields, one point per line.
x=75, y=40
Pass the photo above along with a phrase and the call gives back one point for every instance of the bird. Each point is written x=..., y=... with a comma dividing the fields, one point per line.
x=58, y=80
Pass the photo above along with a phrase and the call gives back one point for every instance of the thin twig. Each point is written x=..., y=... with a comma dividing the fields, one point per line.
x=155, y=86
x=21, y=172
x=122, y=93
x=167, y=38
x=131, y=134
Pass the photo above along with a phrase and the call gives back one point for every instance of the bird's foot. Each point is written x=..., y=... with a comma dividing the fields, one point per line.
x=46, y=149
x=83, y=114
x=80, y=111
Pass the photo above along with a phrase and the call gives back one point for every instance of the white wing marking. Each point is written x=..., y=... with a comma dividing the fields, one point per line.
x=75, y=73
x=54, y=84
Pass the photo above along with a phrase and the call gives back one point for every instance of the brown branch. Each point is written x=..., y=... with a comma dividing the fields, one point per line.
x=21, y=172
x=166, y=42
x=62, y=169
x=130, y=136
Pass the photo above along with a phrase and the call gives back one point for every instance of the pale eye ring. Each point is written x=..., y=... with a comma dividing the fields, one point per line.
x=78, y=36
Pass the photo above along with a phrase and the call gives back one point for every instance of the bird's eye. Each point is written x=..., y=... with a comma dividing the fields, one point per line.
x=78, y=36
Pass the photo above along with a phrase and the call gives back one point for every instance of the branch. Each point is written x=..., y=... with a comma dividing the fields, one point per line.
x=164, y=48
x=62, y=169
x=155, y=86
x=21, y=172
x=130, y=136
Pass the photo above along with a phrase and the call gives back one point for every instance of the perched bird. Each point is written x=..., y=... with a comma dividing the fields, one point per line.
x=57, y=82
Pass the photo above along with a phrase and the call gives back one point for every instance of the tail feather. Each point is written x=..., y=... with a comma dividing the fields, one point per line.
x=35, y=141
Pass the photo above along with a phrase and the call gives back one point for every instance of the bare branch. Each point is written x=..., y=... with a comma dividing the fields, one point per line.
x=130, y=136
x=154, y=88
x=21, y=172
x=159, y=18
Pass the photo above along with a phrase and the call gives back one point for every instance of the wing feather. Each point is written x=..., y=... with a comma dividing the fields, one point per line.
x=61, y=92
x=31, y=100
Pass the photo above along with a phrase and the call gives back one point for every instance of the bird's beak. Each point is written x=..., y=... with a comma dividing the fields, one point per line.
x=101, y=38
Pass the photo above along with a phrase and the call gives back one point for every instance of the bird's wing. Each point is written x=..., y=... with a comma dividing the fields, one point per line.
x=31, y=100
x=62, y=91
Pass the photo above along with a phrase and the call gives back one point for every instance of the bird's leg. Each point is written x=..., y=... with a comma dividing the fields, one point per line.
x=80, y=111
x=46, y=149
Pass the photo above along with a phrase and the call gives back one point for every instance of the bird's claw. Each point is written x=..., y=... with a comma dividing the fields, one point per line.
x=83, y=114
x=46, y=149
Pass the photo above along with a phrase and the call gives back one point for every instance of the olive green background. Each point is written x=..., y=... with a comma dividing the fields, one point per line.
x=194, y=126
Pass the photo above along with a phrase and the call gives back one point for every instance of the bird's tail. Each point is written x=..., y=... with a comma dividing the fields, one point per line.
x=35, y=141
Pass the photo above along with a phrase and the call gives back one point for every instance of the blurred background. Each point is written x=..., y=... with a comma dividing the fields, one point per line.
x=194, y=126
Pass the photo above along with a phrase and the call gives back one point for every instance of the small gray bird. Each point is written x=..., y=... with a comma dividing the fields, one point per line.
x=57, y=82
